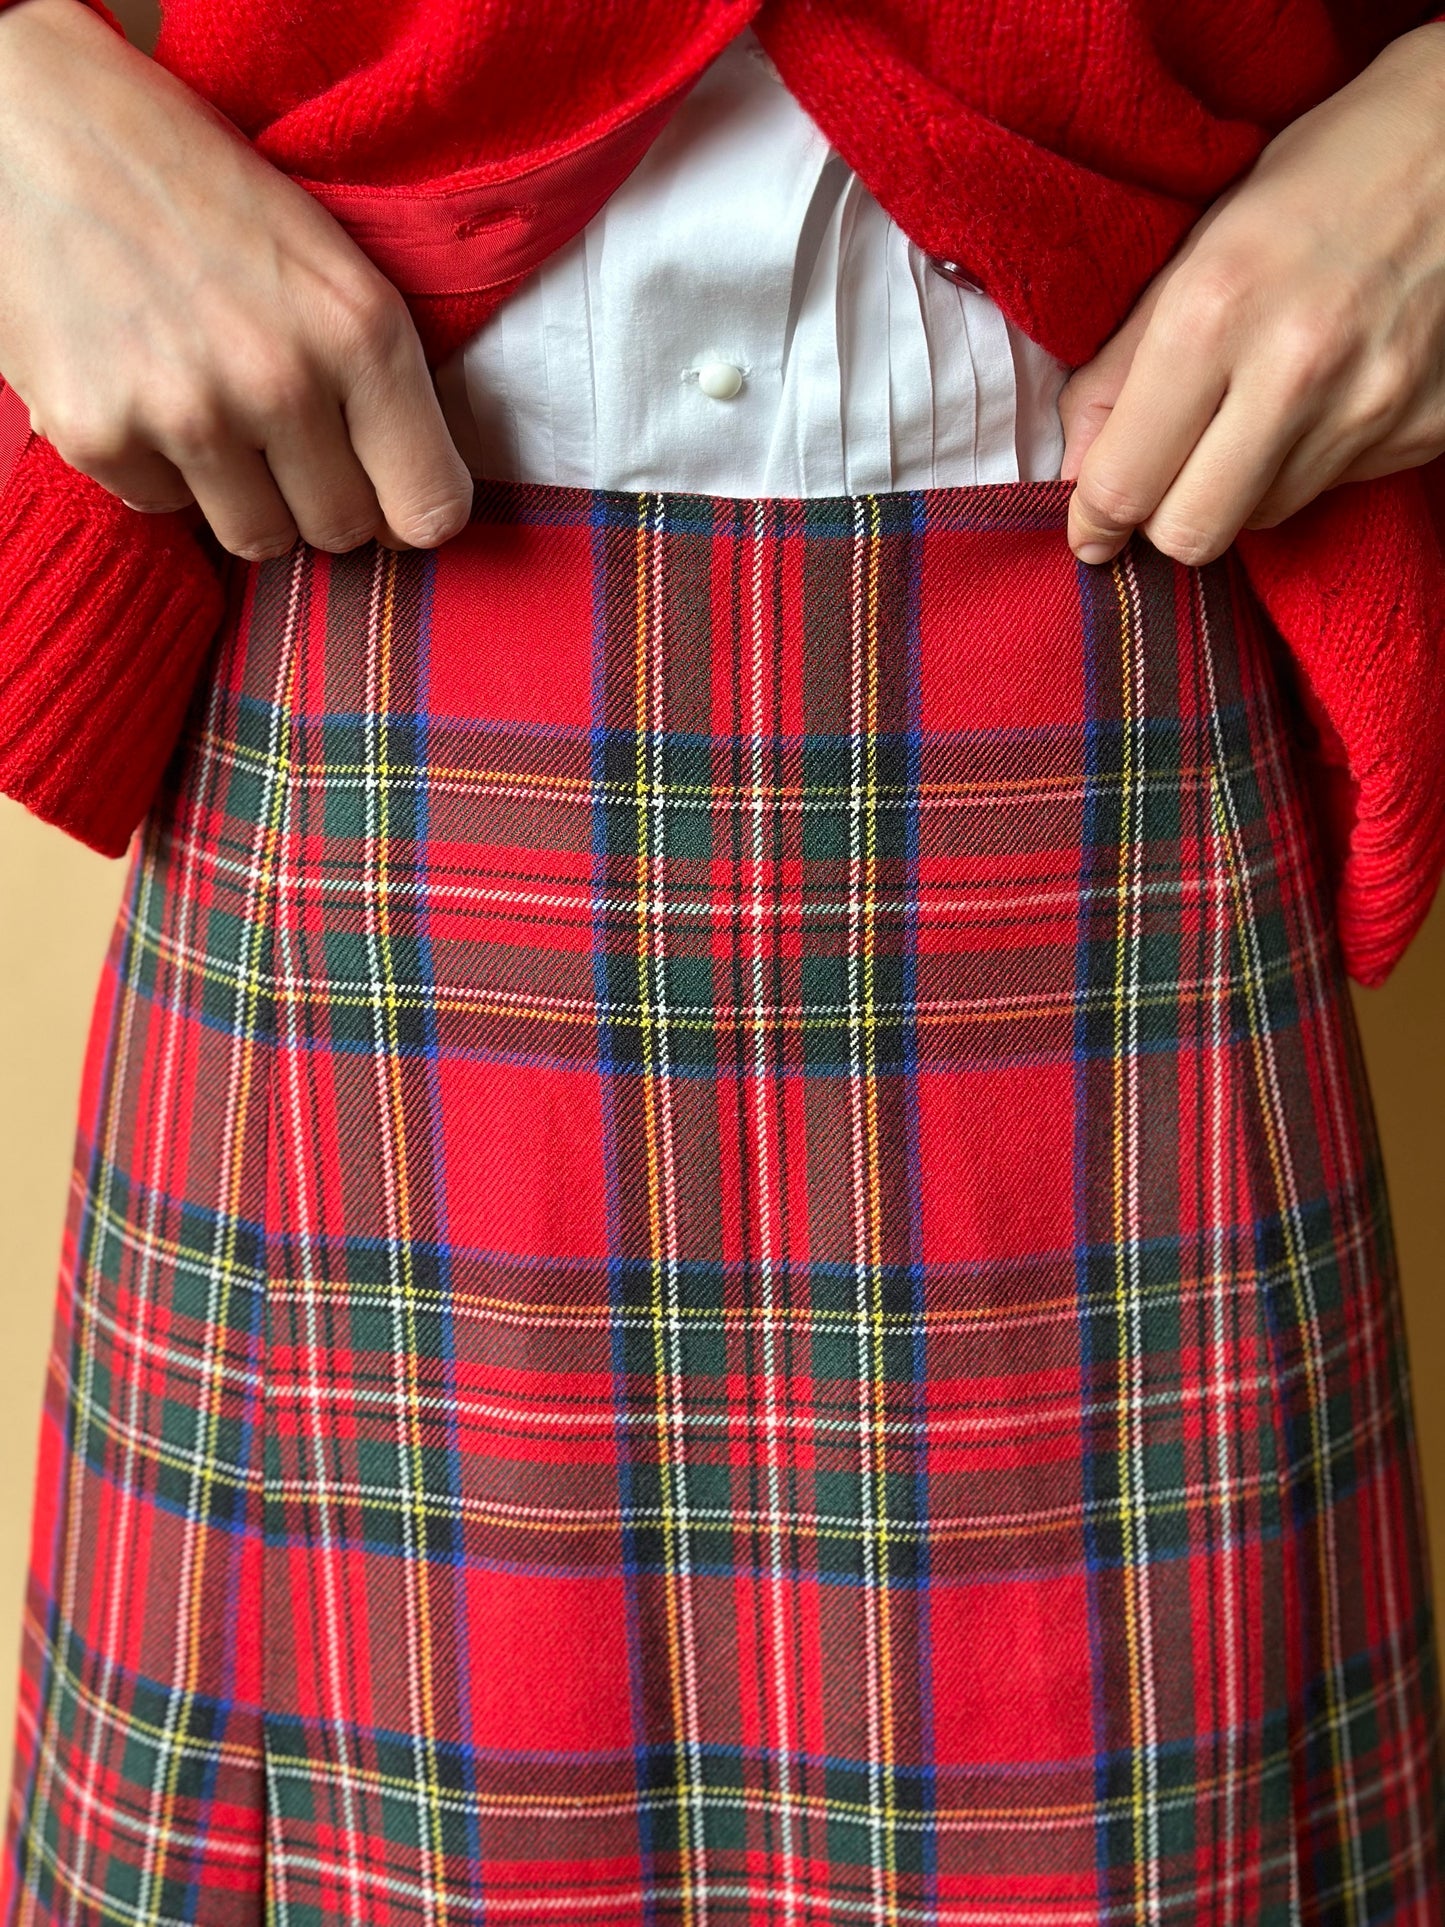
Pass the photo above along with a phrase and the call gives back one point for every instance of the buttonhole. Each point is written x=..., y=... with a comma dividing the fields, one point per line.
x=479, y=223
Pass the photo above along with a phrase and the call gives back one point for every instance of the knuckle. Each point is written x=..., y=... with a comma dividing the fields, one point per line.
x=1199, y=308
x=189, y=426
x=85, y=439
x=1107, y=503
x=280, y=387
x=369, y=318
x=1420, y=444
x=1185, y=543
x=1380, y=393
x=1308, y=347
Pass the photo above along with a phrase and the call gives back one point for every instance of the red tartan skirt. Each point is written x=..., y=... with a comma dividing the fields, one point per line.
x=728, y=1261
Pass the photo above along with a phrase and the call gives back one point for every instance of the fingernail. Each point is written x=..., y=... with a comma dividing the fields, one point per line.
x=344, y=544
x=1095, y=552
x=266, y=551
x=440, y=524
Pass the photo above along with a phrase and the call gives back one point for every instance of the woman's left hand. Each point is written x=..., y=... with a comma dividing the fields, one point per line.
x=1294, y=341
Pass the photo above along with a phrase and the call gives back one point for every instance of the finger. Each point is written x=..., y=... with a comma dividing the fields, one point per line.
x=1169, y=397
x=159, y=508
x=396, y=428
x=1302, y=476
x=143, y=480
x=1231, y=466
x=1332, y=451
x=1085, y=415
x=239, y=497
x=1090, y=392
x=329, y=493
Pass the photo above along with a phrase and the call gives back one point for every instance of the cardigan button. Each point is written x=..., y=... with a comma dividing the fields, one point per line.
x=954, y=271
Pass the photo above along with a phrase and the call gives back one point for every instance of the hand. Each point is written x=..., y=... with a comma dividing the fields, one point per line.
x=186, y=324
x=1294, y=342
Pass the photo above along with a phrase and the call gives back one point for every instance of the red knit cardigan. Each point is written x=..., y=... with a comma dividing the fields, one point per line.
x=1060, y=151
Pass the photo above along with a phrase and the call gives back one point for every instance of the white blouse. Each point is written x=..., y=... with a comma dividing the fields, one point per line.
x=742, y=318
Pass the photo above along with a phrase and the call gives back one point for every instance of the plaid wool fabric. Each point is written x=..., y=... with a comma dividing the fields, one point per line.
x=728, y=1262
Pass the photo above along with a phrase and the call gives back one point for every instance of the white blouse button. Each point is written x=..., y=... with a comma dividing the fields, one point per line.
x=720, y=379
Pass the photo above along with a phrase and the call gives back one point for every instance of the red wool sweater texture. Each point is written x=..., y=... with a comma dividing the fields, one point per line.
x=1061, y=149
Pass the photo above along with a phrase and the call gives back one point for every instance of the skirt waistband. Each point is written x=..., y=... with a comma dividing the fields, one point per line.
x=981, y=505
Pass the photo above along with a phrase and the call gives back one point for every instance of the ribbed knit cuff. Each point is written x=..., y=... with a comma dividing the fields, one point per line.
x=1355, y=585
x=106, y=616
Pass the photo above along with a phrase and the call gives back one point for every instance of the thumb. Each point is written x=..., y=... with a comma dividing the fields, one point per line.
x=1088, y=396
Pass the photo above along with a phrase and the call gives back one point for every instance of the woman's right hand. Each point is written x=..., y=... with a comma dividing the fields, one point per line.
x=186, y=324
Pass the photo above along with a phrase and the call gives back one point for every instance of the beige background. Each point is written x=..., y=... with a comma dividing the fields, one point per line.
x=57, y=904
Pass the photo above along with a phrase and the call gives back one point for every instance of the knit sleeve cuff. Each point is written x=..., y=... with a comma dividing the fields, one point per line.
x=1355, y=585
x=106, y=617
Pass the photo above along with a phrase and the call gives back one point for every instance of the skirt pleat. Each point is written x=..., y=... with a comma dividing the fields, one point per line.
x=728, y=1261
